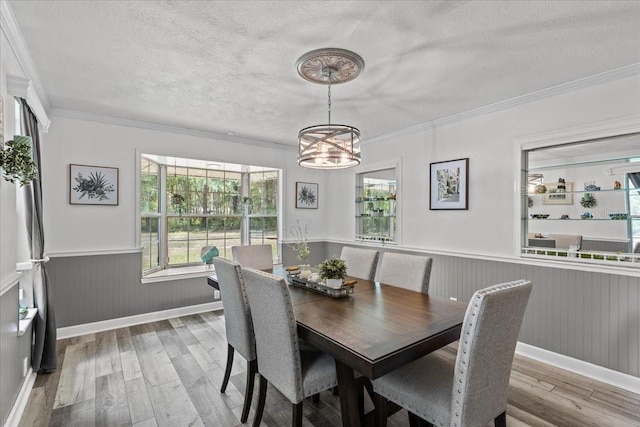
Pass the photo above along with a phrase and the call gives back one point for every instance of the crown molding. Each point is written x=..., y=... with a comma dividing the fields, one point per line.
x=23, y=88
x=119, y=121
x=16, y=41
x=594, y=80
x=603, y=129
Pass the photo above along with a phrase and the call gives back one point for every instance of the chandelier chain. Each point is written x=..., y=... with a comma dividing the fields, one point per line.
x=329, y=100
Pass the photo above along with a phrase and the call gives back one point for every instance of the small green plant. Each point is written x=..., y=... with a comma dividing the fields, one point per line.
x=16, y=161
x=333, y=268
x=301, y=245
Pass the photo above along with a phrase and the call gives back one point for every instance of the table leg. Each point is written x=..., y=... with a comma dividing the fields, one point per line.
x=348, y=395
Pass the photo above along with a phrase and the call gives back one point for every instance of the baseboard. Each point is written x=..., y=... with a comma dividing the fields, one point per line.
x=599, y=373
x=21, y=401
x=122, y=322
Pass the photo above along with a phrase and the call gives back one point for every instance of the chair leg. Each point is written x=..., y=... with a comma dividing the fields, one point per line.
x=501, y=420
x=334, y=391
x=296, y=420
x=262, y=397
x=380, y=411
x=315, y=398
x=415, y=421
x=252, y=370
x=227, y=371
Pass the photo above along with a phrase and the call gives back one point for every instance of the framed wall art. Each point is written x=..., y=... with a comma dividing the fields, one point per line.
x=306, y=195
x=558, y=196
x=93, y=185
x=449, y=188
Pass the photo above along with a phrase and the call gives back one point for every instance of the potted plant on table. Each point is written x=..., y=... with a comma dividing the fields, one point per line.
x=333, y=271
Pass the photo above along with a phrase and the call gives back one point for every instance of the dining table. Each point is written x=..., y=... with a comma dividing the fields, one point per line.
x=371, y=332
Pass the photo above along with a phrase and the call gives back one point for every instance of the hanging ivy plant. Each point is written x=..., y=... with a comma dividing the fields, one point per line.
x=16, y=161
x=177, y=201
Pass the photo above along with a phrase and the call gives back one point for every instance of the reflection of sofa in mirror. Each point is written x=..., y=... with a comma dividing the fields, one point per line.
x=558, y=241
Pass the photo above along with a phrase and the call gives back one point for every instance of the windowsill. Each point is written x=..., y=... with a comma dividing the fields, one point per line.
x=24, y=324
x=179, y=273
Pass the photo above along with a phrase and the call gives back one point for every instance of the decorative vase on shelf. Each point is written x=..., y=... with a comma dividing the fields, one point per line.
x=334, y=283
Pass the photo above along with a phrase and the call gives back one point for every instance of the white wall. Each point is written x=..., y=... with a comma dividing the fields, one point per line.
x=81, y=228
x=8, y=217
x=488, y=141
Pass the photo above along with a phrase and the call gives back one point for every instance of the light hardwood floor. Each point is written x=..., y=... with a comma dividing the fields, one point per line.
x=168, y=373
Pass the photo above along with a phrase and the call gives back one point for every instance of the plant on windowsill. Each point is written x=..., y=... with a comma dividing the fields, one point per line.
x=16, y=162
x=334, y=271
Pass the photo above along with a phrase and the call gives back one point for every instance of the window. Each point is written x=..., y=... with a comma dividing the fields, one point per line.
x=580, y=201
x=633, y=201
x=186, y=205
x=376, y=193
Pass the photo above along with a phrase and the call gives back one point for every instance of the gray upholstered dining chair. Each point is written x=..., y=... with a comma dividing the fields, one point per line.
x=296, y=374
x=474, y=390
x=361, y=263
x=405, y=271
x=238, y=324
x=254, y=256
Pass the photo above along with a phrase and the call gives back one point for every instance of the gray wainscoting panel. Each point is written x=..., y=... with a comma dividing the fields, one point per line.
x=594, y=317
x=11, y=353
x=92, y=288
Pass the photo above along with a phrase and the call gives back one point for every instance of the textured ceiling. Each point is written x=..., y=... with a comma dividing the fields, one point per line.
x=230, y=66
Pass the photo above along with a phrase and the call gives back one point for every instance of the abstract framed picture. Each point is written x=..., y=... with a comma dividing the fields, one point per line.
x=558, y=193
x=449, y=188
x=306, y=195
x=93, y=185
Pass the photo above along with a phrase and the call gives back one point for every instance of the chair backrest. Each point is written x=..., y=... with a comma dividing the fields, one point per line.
x=405, y=271
x=236, y=308
x=485, y=353
x=254, y=256
x=276, y=332
x=361, y=263
x=564, y=241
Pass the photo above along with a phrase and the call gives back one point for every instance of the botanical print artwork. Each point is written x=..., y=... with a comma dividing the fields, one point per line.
x=306, y=195
x=93, y=185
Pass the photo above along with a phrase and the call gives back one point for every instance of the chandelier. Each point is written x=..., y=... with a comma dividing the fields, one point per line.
x=329, y=146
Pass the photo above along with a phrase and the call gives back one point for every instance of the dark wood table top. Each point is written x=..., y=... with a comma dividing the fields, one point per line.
x=378, y=328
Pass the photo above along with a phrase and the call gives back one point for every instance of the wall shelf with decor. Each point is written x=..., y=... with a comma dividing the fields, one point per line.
x=376, y=207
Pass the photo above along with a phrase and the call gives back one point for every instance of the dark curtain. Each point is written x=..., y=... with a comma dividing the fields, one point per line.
x=43, y=357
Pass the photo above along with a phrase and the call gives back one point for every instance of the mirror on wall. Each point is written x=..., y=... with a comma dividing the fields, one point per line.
x=582, y=201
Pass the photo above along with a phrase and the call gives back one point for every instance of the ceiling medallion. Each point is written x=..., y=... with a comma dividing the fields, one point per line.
x=329, y=146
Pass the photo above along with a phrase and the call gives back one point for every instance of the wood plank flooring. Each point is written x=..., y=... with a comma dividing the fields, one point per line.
x=168, y=373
